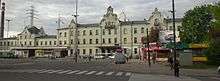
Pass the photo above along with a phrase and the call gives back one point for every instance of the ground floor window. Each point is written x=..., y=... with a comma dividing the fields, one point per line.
x=84, y=51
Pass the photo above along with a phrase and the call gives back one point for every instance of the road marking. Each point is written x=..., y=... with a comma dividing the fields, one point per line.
x=128, y=74
x=73, y=72
x=119, y=73
x=91, y=72
x=45, y=71
x=99, y=73
x=55, y=71
x=109, y=73
x=81, y=72
x=64, y=71
x=36, y=71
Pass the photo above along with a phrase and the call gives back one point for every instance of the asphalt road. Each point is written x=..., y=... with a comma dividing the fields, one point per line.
x=55, y=70
x=59, y=70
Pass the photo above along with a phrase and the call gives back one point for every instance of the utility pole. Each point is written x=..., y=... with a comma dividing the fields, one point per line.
x=132, y=39
x=148, y=51
x=76, y=33
x=58, y=21
x=8, y=20
x=32, y=14
x=176, y=67
x=2, y=21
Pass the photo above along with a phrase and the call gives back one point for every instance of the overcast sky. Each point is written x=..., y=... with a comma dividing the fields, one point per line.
x=90, y=11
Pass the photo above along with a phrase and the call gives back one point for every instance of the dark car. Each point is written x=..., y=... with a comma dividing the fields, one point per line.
x=218, y=70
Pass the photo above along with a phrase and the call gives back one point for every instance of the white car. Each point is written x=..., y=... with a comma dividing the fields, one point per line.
x=99, y=56
x=111, y=57
x=218, y=70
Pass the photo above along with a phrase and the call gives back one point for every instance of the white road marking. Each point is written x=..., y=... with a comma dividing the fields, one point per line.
x=73, y=72
x=119, y=73
x=55, y=71
x=109, y=73
x=91, y=72
x=45, y=71
x=81, y=72
x=36, y=71
x=128, y=74
x=64, y=71
x=99, y=73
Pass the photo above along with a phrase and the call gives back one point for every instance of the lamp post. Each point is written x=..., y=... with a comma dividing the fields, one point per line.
x=176, y=68
x=148, y=51
x=8, y=20
x=76, y=33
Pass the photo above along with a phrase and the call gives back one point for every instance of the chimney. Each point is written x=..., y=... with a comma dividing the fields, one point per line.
x=2, y=21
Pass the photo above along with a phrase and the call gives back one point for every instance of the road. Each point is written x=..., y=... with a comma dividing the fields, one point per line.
x=96, y=70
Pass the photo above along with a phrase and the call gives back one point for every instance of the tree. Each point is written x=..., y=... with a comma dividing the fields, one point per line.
x=196, y=24
x=154, y=35
x=213, y=52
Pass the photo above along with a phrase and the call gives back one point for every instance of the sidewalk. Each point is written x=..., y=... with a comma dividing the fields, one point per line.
x=148, y=77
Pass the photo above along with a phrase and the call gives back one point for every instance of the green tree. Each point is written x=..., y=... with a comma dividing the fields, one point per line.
x=213, y=52
x=196, y=24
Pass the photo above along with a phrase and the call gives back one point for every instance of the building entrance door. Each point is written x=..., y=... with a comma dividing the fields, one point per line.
x=31, y=53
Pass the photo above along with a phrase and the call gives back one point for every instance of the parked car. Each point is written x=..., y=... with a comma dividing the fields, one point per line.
x=120, y=58
x=111, y=56
x=99, y=56
x=218, y=70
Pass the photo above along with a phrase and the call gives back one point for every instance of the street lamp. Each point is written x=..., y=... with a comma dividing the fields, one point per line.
x=148, y=46
x=176, y=68
x=8, y=20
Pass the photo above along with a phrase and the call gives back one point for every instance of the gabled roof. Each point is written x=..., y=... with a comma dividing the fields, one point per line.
x=33, y=30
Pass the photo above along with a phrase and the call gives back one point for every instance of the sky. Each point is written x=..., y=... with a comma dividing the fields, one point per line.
x=90, y=11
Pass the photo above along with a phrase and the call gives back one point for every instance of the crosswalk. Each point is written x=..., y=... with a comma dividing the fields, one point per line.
x=71, y=72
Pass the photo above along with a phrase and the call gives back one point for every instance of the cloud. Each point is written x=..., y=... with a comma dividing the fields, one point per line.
x=90, y=11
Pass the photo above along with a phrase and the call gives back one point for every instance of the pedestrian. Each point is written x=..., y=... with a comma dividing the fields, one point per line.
x=170, y=61
x=154, y=58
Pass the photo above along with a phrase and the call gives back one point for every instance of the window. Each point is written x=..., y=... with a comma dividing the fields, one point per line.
x=135, y=39
x=55, y=42
x=84, y=51
x=135, y=30
x=142, y=30
x=115, y=31
x=37, y=43
x=78, y=33
x=125, y=30
x=90, y=51
x=24, y=43
x=78, y=41
x=25, y=37
x=60, y=42
x=78, y=50
x=115, y=39
x=64, y=42
x=97, y=41
x=96, y=50
x=45, y=42
x=103, y=41
x=11, y=43
x=30, y=43
x=103, y=32
x=41, y=42
x=84, y=32
x=60, y=34
x=64, y=34
x=109, y=40
x=125, y=40
x=135, y=50
x=90, y=32
x=90, y=41
x=84, y=41
x=50, y=42
x=71, y=41
x=96, y=32
x=109, y=31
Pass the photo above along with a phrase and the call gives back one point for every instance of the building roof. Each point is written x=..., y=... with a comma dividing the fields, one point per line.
x=48, y=36
x=132, y=22
x=89, y=25
x=33, y=30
